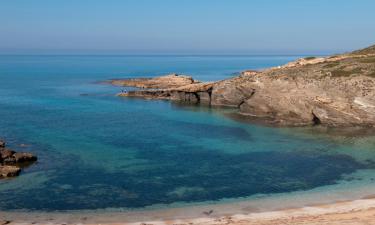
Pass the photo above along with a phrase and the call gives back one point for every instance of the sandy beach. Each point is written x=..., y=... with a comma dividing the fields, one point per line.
x=349, y=212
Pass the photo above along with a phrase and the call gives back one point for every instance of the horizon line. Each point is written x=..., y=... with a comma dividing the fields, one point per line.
x=169, y=54
x=208, y=52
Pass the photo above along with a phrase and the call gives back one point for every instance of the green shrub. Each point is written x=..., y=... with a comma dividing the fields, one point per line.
x=310, y=58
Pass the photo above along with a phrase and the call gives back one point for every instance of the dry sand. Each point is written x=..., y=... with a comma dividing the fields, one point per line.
x=349, y=212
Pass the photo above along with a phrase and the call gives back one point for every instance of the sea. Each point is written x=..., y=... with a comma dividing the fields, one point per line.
x=97, y=151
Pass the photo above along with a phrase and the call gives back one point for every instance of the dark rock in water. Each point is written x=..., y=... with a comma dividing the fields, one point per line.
x=9, y=171
x=5, y=154
x=22, y=157
x=11, y=161
x=2, y=144
x=10, y=157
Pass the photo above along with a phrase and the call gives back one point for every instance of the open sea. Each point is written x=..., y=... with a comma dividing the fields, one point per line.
x=98, y=151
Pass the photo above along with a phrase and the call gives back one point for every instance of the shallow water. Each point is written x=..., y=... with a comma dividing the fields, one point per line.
x=99, y=151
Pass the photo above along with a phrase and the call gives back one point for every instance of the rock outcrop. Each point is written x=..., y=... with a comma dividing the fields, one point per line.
x=192, y=93
x=12, y=162
x=332, y=91
x=168, y=81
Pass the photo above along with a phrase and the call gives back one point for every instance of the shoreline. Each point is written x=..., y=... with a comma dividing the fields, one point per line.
x=360, y=211
x=227, y=211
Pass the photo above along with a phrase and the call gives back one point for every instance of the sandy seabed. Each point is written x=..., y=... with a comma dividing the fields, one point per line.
x=349, y=212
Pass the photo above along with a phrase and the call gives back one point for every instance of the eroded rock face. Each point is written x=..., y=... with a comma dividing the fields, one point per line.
x=193, y=93
x=11, y=162
x=338, y=92
x=332, y=91
x=302, y=100
x=230, y=92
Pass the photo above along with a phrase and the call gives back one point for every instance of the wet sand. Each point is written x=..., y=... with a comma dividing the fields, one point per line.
x=348, y=212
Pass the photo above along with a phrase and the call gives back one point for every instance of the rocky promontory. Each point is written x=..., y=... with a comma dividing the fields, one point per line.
x=332, y=91
x=168, y=81
x=12, y=162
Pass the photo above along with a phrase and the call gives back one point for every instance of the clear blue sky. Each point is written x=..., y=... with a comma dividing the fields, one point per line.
x=186, y=26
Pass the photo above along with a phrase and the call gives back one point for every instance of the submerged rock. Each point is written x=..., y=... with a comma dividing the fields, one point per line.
x=22, y=157
x=332, y=91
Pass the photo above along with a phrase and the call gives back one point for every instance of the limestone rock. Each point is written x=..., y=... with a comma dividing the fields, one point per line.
x=163, y=82
x=230, y=92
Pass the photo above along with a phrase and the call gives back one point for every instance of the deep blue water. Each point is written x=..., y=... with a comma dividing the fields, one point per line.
x=100, y=151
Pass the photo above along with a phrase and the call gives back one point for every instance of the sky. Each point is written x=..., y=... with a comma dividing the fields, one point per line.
x=186, y=26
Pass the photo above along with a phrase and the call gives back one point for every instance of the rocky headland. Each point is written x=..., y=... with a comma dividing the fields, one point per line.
x=12, y=162
x=331, y=91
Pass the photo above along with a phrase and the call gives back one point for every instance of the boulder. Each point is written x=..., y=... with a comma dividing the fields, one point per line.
x=9, y=171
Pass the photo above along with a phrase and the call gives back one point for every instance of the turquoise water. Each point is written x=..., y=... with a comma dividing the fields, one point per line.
x=99, y=151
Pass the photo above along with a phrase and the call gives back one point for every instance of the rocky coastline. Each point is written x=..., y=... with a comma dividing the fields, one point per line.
x=333, y=91
x=12, y=162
